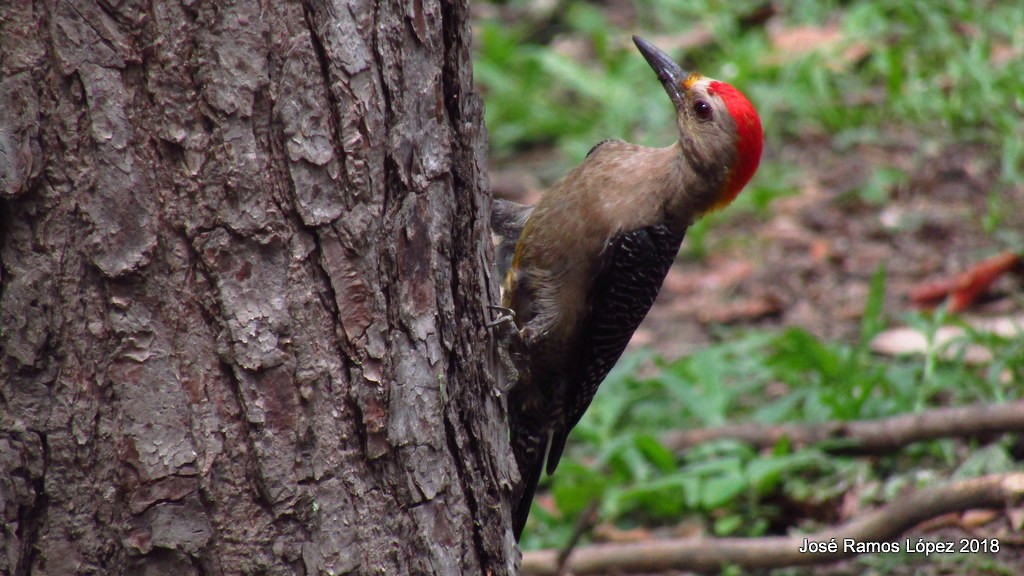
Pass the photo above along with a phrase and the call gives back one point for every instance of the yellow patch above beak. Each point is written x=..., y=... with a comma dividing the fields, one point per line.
x=691, y=80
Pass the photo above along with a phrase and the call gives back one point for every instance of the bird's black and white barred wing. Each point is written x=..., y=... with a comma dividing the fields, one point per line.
x=623, y=292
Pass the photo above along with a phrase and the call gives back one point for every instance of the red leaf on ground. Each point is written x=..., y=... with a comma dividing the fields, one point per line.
x=965, y=288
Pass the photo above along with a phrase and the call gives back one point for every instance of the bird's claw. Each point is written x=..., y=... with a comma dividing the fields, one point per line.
x=507, y=339
x=506, y=315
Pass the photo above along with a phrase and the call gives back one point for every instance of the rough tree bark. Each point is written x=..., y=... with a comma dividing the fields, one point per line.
x=243, y=271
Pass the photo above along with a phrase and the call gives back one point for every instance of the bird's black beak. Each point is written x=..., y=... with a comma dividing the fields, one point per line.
x=670, y=73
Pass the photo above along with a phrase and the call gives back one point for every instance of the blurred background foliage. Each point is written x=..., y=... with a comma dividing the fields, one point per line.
x=558, y=76
x=565, y=74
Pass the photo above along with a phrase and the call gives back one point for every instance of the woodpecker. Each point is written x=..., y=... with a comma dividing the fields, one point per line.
x=590, y=257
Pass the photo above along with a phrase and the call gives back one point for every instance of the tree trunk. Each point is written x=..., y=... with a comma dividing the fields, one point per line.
x=243, y=276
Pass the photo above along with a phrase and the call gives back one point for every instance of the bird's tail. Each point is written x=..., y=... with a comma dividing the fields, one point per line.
x=531, y=453
x=531, y=476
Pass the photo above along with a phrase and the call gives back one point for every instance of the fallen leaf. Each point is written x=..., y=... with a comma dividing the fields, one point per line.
x=903, y=341
x=939, y=522
x=965, y=288
x=977, y=518
x=742, y=311
x=610, y=533
x=800, y=40
x=1016, y=517
x=1003, y=53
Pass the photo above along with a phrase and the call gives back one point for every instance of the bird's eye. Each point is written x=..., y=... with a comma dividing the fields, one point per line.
x=702, y=110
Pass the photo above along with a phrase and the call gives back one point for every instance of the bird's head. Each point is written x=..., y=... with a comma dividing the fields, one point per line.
x=719, y=130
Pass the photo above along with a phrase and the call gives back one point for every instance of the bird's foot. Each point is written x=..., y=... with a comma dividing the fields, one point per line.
x=508, y=343
x=505, y=315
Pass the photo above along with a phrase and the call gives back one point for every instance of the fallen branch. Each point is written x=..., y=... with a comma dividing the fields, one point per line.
x=712, y=554
x=866, y=436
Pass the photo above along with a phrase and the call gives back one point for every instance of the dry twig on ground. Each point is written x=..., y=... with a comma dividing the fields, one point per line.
x=867, y=436
x=711, y=554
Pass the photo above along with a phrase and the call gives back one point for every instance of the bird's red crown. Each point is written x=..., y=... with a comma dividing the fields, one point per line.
x=749, y=140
